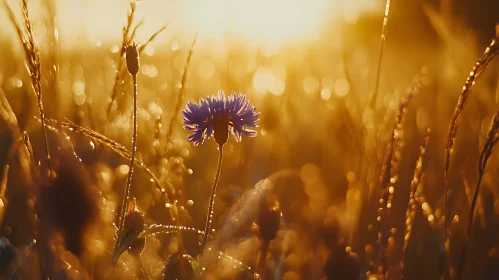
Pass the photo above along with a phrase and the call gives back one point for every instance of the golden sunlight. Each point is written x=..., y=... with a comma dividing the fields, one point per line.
x=259, y=20
x=269, y=21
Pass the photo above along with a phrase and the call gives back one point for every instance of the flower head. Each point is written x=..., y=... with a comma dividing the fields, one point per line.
x=217, y=115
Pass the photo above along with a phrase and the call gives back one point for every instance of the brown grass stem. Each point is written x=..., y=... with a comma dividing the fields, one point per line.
x=384, y=29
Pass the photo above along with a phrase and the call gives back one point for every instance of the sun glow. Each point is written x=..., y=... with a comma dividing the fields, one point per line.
x=267, y=20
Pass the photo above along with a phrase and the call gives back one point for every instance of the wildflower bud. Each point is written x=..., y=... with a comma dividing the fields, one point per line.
x=132, y=59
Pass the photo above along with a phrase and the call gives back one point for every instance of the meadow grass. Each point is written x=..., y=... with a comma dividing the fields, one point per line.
x=337, y=185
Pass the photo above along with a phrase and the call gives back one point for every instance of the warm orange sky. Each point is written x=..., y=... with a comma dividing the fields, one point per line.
x=256, y=20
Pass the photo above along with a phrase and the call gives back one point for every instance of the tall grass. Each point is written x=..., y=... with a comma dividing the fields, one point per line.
x=129, y=33
x=490, y=142
x=294, y=224
x=480, y=66
x=26, y=35
x=390, y=174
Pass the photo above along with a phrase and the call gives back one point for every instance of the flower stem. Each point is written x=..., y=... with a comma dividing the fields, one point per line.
x=209, y=216
x=126, y=195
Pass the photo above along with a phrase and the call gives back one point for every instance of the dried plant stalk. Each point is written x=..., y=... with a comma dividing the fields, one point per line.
x=475, y=73
x=181, y=92
x=410, y=213
x=143, y=46
x=389, y=173
x=384, y=29
x=490, y=142
x=120, y=69
x=32, y=61
x=115, y=146
x=129, y=33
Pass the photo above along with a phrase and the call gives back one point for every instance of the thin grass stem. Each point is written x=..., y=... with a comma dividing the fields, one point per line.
x=372, y=102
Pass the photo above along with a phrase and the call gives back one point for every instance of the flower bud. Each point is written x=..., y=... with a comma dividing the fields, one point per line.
x=132, y=59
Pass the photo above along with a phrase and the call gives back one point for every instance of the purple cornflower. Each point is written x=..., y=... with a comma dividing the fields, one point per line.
x=217, y=115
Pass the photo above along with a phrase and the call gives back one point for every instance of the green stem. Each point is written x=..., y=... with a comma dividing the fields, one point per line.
x=126, y=195
x=209, y=216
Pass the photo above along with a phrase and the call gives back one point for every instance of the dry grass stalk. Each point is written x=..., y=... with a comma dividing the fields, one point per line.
x=389, y=173
x=62, y=137
x=181, y=92
x=115, y=146
x=128, y=36
x=143, y=46
x=32, y=61
x=410, y=213
x=374, y=97
x=475, y=73
x=129, y=33
x=490, y=142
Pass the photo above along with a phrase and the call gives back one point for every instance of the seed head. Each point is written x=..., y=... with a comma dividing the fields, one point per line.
x=132, y=59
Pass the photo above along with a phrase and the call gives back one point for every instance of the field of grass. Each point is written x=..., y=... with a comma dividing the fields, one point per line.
x=360, y=140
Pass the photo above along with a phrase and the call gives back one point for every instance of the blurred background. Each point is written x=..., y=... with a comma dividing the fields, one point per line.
x=310, y=67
